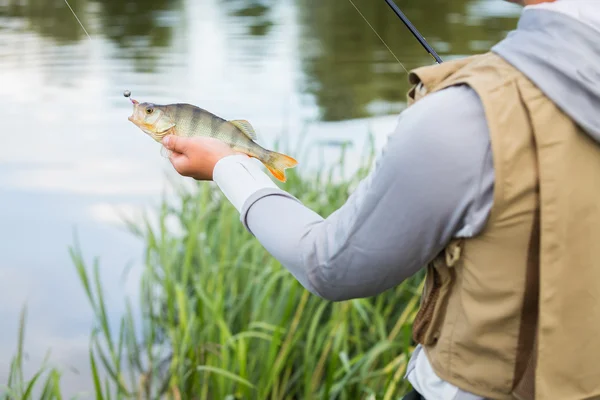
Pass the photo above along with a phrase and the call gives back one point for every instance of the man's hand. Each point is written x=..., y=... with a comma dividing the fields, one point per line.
x=196, y=157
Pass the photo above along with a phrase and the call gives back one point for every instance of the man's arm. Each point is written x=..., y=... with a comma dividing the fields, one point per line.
x=433, y=181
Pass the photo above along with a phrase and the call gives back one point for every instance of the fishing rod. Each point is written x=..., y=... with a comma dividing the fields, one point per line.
x=409, y=25
x=413, y=30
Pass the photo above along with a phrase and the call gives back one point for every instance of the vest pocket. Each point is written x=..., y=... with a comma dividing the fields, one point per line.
x=438, y=282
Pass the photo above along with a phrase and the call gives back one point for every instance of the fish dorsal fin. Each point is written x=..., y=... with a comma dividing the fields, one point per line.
x=245, y=127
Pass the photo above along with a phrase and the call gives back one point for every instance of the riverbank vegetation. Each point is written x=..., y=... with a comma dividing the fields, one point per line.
x=218, y=318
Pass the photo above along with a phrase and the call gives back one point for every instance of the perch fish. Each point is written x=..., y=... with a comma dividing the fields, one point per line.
x=187, y=120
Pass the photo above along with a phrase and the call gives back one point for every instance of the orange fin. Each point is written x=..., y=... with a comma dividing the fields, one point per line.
x=277, y=163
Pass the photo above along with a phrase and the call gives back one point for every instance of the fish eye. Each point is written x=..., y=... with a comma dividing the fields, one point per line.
x=149, y=110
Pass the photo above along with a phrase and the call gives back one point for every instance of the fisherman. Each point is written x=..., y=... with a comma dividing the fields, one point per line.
x=491, y=182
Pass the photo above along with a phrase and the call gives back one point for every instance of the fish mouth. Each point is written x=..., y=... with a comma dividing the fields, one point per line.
x=133, y=120
x=147, y=129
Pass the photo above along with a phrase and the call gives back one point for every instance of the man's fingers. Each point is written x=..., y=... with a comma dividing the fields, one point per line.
x=180, y=163
x=175, y=143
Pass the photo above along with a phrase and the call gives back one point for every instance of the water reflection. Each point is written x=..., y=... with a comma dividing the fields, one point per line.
x=347, y=69
x=351, y=72
x=140, y=29
x=256, y=14
x=43, y=16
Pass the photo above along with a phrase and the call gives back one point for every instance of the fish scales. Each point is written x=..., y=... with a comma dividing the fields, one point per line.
x=195, y=121
x=187, y=120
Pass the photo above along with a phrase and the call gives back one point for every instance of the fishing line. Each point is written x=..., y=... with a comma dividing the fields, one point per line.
x=126, y=93
x=409, y=25
x=82, y=27
x=380, y=38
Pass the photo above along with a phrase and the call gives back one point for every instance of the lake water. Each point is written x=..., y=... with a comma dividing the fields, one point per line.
x=71, y=163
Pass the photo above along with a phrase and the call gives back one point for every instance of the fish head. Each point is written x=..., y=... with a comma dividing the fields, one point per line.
x=151, y=119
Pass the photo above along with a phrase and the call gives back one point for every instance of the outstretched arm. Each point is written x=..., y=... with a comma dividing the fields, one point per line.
x=433, y=181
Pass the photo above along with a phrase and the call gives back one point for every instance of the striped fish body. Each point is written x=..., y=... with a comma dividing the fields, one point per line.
x=193, y=121
x=187, y=120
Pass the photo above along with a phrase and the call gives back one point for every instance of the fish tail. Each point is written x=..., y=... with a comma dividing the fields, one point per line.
x=277, y=163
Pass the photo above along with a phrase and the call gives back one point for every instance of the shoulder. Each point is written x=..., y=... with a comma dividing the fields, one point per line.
x=441, y=146
x=450, y=121
x=450, y=103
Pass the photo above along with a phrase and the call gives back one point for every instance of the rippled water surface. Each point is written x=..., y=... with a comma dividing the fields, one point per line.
x=71, y=163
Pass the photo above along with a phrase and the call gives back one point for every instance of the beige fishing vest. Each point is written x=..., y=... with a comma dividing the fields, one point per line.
x=540, y=250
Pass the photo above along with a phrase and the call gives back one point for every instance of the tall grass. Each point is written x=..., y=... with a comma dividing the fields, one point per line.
x=219, y=318
x=45, y=383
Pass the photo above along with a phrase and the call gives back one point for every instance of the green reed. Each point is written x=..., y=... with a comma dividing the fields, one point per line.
x=219, y=318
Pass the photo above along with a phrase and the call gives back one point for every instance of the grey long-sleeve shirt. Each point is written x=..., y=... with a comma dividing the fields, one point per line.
x=432, y=181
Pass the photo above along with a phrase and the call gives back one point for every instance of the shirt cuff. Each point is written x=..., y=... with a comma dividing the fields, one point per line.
x=239, y=177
